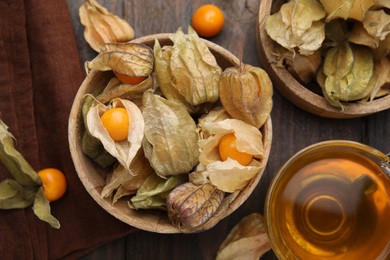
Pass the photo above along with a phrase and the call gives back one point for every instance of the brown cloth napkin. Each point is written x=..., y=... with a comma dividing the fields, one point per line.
x=40, y=73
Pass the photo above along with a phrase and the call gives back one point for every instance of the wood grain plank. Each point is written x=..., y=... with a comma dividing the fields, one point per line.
x=377, y=133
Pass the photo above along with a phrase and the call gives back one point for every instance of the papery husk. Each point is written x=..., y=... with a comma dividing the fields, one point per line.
x=321, y=79
x=298, y=24
x=303, y=67
x=163, y=57
x=20, y=190
x=189, y=205
x=16, y=196
x=103, y=27
x=123, y=151
x=377, y=23
x=301, y=14
x=17, y=165
x=94, y=148
x=89, y=100
x=248, y=240
x=90, y=145
x=229, y=175
x=170, y=141
x=246, y=94
x=353, y=80
x=312, y=39
x=42, y=210
x=131, y=59
x=382, y=4
x=337, y=8
x=116, y=179
x=359, y=35
x=215, y=115
x=249, y=139
x=338, y=61
x=369, y=88
x=383, y=49
x=384, y=90
x=116, y=89
x=25, y=188
x=382, y=69
x=154, y=191
x=120, y=182
x=359, y=9
x=187, y=72
x=348, y=74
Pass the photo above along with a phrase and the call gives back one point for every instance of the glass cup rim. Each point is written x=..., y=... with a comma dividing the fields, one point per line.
x=372, y=153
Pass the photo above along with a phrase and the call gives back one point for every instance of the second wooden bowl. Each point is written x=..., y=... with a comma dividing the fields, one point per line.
x=292, y=89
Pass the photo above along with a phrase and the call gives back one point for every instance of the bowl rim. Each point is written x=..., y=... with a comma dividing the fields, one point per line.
x=158, y=226
x=297, y=93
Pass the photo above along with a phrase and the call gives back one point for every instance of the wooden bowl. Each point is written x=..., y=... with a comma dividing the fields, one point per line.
x=292, y=89
x=93, y=177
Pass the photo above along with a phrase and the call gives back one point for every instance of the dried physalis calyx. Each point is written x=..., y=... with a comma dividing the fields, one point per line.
x=120, y=182
x=382, y=87
x=337, y=8
x=303, y=67
x=247, y=240
x=103, y=27
x=187, y=71
x=123, y=150
x=231, y=152
x=377, y=23
x=246, y=94
x=359, y=35
x=190, y=205
x=348, y=74
x=130, y=59
x=360, y=7
x=170, y=139
x=298, y=24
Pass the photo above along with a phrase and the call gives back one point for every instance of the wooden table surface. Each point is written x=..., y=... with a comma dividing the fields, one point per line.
x=293, y=128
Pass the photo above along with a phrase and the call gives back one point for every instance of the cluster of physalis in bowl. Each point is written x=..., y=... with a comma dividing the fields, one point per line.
x=330, y=58
x=194, y=131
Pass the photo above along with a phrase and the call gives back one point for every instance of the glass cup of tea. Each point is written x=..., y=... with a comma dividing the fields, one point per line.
x=331, y=200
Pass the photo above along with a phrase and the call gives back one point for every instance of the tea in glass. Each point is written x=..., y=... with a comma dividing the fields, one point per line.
x=330, y=202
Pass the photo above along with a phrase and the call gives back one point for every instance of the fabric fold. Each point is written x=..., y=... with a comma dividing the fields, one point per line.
x=40, y=75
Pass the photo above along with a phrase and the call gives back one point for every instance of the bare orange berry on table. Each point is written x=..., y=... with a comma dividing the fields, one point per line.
x=208, y=20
